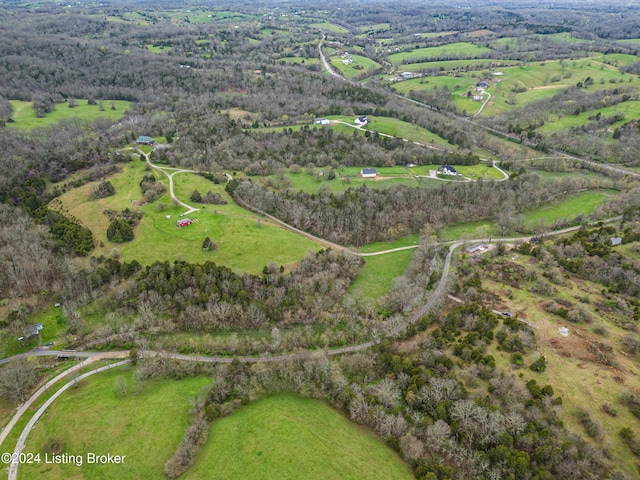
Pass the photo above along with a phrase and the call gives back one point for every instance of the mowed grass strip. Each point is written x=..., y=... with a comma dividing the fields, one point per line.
x=25, y=117
x=146, y=427
x=245, y=242
x=288, y=437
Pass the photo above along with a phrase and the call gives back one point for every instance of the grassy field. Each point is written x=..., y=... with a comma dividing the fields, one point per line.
x=25, y=117
x=329, y=27
x=630, y=110
x=349, y=177
x=290, y=437
x=451, y=51
x=467, y=230
x=376, y=278
x=359, y=65
x=398, y=128
x=567, y=208
x=262, y=241
x=159, y=48
x=449, y=65
x=146, y=427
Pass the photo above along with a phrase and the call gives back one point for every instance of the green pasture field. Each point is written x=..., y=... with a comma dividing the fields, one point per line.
x=458, y=85
x=146, y=426
x=25, y=117
x=329, y=27
x=630, y=110
x=159, y=239
x=377, y=28
x=538, y=80
x=458, y=50
x=290, y=437
x=467, y=230
x=307, y=183
x=619, y=59
x=569, y=208
x=398, y=128
x=376, y=277
x=481, y=170
x=268, y=32
x=350, y=71
x=158, y=49
x=453, y=65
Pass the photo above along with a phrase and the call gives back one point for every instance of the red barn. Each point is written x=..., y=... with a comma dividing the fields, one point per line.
x=184, y=222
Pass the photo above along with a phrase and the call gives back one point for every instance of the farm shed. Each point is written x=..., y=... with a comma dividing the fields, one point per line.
x=183, y=222
x=368, y=173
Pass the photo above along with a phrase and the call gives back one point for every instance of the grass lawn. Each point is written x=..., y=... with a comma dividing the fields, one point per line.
x=244, y=244
x=359, y=65
x=290, y=437
x=450, y=51
x=376, y=277
x=25, y=117
x=146, y=427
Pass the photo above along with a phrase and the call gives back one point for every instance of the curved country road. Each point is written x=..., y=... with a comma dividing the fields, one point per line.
x=13, y=468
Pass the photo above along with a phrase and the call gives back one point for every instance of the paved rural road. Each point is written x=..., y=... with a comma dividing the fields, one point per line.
x=13, y=468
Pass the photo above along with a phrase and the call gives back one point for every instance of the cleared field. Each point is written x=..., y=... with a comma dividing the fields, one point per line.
x=25, y=117
x=329, y=27
x=452, y=51
x=158, y=48
x=568, y=208
x=145, y=426
x=299, y=60
x=451, y=65
x=359, y=65
x=376, y=278
x=398, y=128
x=630, y=110
x=262, y=241
x=291, y=437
